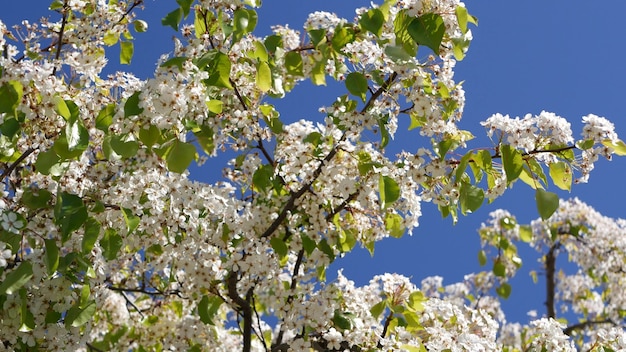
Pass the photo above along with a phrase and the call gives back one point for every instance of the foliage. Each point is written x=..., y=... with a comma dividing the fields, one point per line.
x=107, y=244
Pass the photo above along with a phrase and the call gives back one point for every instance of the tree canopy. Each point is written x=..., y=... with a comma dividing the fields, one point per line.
x=108, y=243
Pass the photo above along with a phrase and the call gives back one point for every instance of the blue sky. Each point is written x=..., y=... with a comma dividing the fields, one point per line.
x=560, y=56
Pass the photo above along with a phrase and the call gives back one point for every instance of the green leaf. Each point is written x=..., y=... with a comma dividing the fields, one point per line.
x=185, y=6
x=512, y=162
x=428, y=30
x=173, y=19
x=318, y=73
x=10, y=96
x=52, y=255
x=180, y=155
x=244, y=21
x=45, y=161
x=586, y=144
x=215, y=106
x=263, y=76
x=77, y=316
x=378, y=308
x=398, y=54
x=561, y=175
x=373, y=21
x=77, y=136
x=105, y=117
x=92, y=232
x=149, y=135
x=357, y=84
x=69, y=213
x=35, y=198
x=388, y=190
x=17, y=278
x=504, y=290
x=111, y=244
x=61, y=108
x=618, y=147
x=279, y=246
x=140, y=26
x=308, y=244
x=470, y=198
x=341, y=37
x=499, y=269
x=27, y=320
x=525, y=234
x=547, y=203
x=131, y=107
x=482, y=257
x=271, y=117
x=326, y=249
x=403, y=38
x=208, y=308
x=132, y=220
x=262, y=178
x=294, y=63
x=125, y=149
x=394, y=224
x=462, y=18
x=10, y=127
x=219, y=71
x=126, y=52
x=342, y=320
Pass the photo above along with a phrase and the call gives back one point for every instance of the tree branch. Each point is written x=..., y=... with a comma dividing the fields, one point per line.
x=57, y=55
x=550, y=266
x=12, y=167
x=243, y=307
x=583, y=325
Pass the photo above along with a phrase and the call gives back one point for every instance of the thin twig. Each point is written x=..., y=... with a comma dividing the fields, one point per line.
x=12, y=167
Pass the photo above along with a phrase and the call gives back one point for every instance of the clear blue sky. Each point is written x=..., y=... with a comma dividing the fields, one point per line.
x=562, y=56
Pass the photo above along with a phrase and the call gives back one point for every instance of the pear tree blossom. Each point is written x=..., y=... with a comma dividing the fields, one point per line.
x=109, y=242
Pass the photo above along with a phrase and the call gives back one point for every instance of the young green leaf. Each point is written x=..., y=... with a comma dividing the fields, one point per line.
x=512, y=162
x=263, y=76
x=561, y=175
x=547, y=203
x=126, y=52
x=388, y=190
x=504, y=290
x=394, y=224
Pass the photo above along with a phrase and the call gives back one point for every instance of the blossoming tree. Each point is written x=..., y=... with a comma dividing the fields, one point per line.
x=106, y=243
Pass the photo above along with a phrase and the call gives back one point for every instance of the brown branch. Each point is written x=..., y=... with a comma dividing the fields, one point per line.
x=583, y=325
x=385, y=327
x=243, y=307
x=550, y=266
x=12, y=167
x=61, y=31
x=292, y=286
x=380, y=91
